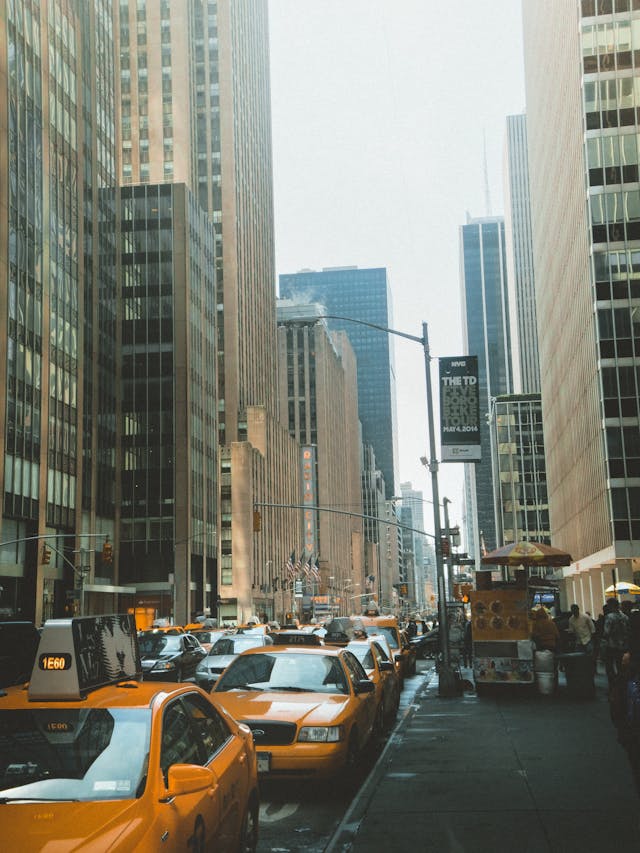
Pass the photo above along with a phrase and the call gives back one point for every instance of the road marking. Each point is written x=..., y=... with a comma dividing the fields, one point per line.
x=270, y=813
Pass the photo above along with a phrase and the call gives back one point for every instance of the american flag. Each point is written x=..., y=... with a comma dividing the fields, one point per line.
x=298, y=565
x=290, y=568
x=315, y=569
x=306, y=567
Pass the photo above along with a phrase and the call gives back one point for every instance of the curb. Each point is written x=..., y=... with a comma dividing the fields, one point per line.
x=346, y=831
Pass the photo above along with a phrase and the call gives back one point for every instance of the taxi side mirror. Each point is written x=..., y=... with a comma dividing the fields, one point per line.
x=386, y=666
x=397, y=658
x=365, y=686
x=187, y=779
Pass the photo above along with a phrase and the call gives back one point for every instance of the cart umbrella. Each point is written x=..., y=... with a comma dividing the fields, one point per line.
x=623, y=588
x=527, y=554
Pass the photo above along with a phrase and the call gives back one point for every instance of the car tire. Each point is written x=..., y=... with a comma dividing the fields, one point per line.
x=250, y=825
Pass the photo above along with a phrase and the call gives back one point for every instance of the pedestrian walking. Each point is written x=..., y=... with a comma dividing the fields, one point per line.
x=545, y=632
x=614, y=640
x=583, y=629
x=624, y=698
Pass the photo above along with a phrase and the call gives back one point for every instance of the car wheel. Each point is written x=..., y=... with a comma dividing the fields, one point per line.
x=249, y=832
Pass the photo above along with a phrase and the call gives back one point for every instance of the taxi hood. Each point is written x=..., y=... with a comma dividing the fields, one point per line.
x=303, y=708
x=73, y=826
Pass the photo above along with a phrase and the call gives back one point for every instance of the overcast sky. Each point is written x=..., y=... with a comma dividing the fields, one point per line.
x=381, y=113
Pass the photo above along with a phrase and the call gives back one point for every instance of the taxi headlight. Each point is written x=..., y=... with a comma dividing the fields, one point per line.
x=321, y=734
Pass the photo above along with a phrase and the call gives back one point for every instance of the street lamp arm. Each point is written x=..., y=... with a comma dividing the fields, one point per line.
x=344, y=512
x=372, y=326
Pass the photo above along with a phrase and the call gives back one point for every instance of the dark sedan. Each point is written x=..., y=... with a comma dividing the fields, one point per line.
x=427, y=645
x=169, y=657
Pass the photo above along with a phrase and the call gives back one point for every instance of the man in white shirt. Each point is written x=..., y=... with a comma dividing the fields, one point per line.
x=582, y=627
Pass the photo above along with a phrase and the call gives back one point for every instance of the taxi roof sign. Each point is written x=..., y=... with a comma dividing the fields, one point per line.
x=83, y=653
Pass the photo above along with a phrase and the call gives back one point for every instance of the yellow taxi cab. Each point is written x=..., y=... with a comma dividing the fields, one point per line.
x=381, y=670
x=311, y=707
x=389, y=628
x=94, y=759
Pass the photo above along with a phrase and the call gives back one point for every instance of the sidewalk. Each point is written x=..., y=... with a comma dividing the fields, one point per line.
x=512, y=771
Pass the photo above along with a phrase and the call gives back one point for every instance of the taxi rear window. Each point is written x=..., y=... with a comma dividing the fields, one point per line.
x=390, y=633
x=73, y=754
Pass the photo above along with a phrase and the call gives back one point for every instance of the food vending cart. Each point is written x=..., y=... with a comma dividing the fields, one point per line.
x=501, y=635
x=503, y=651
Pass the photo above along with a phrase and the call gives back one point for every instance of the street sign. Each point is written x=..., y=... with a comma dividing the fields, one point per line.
x=466, y=561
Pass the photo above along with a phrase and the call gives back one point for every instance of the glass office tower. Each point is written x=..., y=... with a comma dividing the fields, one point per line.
x=485, y=313
x=582, y=62
x=363, y=294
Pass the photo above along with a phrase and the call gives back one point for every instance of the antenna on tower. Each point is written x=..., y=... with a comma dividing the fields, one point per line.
x=487, y=194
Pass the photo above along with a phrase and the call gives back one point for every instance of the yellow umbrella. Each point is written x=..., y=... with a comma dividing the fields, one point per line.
x=623, y=588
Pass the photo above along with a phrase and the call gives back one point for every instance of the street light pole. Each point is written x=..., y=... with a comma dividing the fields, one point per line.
x=447, y=682
x=449, y=560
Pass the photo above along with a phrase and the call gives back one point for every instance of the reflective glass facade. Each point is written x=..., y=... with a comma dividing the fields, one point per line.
x=611, y=64
x=363, y=294
x=169, y=457
x=58, y=417
x=486, y=331
x=522, y=506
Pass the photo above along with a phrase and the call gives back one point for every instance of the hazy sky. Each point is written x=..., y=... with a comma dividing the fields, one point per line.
x=381, y=109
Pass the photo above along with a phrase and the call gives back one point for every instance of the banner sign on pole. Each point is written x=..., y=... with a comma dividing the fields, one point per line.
x=459, y=409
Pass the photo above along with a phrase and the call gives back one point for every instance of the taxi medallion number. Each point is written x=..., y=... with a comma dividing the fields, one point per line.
x=51, y=663
x=264, y=762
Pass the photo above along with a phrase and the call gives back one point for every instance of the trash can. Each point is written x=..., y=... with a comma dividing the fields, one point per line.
x=579, y=672
x=544, y=664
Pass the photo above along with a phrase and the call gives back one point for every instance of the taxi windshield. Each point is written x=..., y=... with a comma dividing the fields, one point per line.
x=73, y=754
x=291, y=671
x=159, y=643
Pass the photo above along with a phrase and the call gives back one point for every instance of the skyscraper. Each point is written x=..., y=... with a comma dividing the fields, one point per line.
x=318, y=389
x=363, y=294
x=485, y=312
x=196, y=109
x=520, y=269
x=581, y=80
x=57, y=251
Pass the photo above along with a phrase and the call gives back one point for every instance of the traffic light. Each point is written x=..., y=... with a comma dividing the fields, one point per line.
x=445, y=545
x=257, y=521
x=46, y=554
x=107, y=552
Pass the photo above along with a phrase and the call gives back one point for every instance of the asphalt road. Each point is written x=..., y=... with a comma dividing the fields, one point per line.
x=301, y=818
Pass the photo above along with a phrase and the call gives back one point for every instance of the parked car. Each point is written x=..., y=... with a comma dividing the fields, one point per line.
x=380, y=668
x=312, y=709
x=89, y=765
x=169, y=657
x=223, y=651
x=427, y=645
x=208, y=636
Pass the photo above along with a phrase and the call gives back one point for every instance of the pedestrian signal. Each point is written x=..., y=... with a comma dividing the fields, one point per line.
x=46, y=554
x=107, y=552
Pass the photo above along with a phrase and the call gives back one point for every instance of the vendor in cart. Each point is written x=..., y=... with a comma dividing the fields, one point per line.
x=545, y=632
